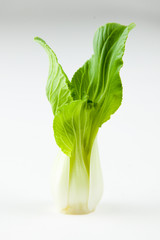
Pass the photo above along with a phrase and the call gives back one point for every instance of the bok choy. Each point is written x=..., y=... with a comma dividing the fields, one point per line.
x=80, y=107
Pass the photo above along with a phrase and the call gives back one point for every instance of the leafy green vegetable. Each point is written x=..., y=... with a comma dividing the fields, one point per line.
x=93, y=95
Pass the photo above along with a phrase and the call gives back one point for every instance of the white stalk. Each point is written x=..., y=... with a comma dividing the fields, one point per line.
x=75, y=191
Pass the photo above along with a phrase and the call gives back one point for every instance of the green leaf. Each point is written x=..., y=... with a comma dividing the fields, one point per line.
x=57, y=89
x=98, y=79
x=74, y=127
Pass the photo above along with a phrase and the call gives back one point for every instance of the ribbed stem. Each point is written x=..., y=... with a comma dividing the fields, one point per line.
x=77, y=190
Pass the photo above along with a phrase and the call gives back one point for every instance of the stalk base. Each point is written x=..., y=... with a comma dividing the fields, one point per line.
x=76, y=211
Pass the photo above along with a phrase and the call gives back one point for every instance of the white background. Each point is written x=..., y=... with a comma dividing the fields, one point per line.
x=128, y=143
